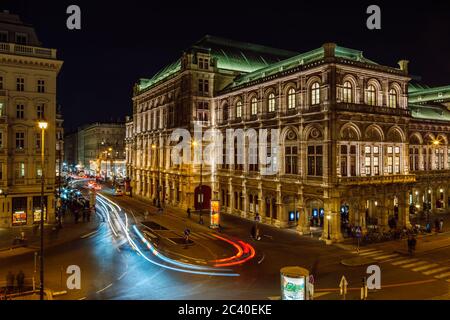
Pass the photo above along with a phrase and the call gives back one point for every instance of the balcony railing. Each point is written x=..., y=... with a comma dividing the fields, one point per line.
x=398, y=178
x=353, y=107
x=13, y=48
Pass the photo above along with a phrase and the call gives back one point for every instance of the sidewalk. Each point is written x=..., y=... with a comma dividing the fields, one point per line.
x=69, y=232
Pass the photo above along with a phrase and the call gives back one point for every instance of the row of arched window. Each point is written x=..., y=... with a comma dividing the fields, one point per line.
x=348, y=96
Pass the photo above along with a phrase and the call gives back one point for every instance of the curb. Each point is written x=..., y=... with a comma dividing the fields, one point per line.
x=357, y=262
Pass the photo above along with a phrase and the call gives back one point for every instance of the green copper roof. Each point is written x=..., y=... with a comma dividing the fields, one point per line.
x=161, y=75
x=427, y=94
x=230, y=55
x=429, y=112
x=301, y=59
x=241, y=56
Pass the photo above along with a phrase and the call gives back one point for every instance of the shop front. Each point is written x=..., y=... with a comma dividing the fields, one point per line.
x=19, y=211
x=37, y=209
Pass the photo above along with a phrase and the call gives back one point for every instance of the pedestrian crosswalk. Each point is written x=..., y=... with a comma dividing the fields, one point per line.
x=404, y=262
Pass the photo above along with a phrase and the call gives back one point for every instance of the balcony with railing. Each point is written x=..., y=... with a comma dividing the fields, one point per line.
x=364, y=108
x=369, y=180
x=23, y=50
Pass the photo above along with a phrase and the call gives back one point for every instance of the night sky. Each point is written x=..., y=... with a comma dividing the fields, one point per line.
x=118, y=44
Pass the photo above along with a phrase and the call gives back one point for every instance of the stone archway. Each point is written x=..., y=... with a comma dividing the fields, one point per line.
x=315, y=211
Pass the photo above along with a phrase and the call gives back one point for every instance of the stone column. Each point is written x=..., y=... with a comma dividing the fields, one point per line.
x=231, y=195
x=281, y=211
x=403, y=211
x=244, y=200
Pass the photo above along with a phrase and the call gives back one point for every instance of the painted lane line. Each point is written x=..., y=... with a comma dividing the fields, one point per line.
x=259, y=262
x=444, y=275
x=84, y=298
x=108, y=286
x=415, y=264
x=123, y=275
x=429, y=272
x=403, y=262
x=428, y=266
x=386, y=256
x=364, y=250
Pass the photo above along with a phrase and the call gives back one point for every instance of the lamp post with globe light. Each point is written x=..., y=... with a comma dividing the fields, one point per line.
x=43, y=126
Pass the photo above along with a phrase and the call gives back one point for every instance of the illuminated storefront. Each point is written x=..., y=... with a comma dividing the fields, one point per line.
x=19, y=211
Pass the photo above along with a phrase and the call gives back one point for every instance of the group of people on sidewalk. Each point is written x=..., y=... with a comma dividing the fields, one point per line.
x=77, y=207
x=11, y=280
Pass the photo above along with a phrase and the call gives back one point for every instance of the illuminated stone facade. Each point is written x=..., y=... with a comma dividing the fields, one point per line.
x=353, y=147
x=27, y=95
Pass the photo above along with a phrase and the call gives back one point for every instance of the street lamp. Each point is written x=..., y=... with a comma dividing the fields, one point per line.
x=158, y=179
x=329, y=230
x=43, y=126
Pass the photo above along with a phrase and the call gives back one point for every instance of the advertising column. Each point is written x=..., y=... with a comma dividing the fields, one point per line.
x=294, y=283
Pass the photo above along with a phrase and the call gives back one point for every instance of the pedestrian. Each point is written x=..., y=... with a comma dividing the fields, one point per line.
x=201, y=218
x=413, y=243
x=436, y=225
x=257, y=217
x=189, y=213
x=441, y=225
x=187, y=232
x=20, y=280
x=10, y=281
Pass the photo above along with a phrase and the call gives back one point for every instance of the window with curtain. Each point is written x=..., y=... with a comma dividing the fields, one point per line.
x=271, y=103
x=315, y=93
x=347, y=92
x=291, y=98
x=371, y=93
x=392, y=101
x=254, y=106
x=239, y=109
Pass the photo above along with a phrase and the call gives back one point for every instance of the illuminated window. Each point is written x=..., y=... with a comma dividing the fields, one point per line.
x=20, y=170
x=239, y=109
x=315, y=93
x=347, y=92
x=393, y=154
x=392, y=102
x=291, y=98
x=371, y=95
x=414, y=158
x=254, y=107
x=2, y=111
x=271, y=102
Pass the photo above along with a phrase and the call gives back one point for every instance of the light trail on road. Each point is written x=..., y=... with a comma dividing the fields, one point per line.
x=113, y=210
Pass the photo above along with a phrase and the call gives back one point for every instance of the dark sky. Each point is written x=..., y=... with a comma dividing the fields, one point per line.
x=121, y=41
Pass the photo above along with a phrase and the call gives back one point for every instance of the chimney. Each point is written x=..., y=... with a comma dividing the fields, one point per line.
x=403, y=65
x=328, y=49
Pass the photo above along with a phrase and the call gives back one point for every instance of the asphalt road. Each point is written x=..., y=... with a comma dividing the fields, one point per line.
x=111, y=269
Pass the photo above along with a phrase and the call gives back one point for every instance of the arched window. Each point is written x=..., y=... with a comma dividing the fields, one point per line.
x=225, y=112
x=291, y=98
x=315, y=93
x=271, y=103
x=254, y=107
x=347, y=92
x=392, y=101
x=371, y=95
x=239, y=109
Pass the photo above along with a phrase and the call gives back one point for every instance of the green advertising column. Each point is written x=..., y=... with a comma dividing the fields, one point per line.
x=294, y=283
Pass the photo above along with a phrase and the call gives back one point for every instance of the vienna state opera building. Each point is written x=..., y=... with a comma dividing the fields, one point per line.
x=360, y=143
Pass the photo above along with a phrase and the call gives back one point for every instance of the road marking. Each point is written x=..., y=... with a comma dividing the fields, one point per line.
x=84, y=298
x=435, y=271
x=386, y=256
x=89, y=234
x=428, y=266
x=397, y=263
x=444, y=275
x=274, y=298
x=123, y=275
x=368, y=254
x=259, y=262
x=108, y=286
x=410, y=265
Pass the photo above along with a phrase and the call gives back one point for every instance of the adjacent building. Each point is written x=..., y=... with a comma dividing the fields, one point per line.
x=97, y=149
x=28, y=73
x=359, y=143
